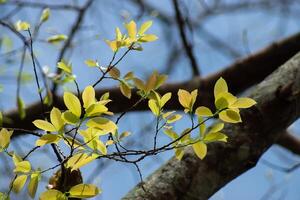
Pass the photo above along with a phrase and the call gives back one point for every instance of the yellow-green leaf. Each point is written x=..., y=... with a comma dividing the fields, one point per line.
x=139, y=84
x=200, y=149
x=22, y=25
x=44, y=125
x=65, y=66
x=33, y=183
x=91, y=63
x=179, y=152
x=224, y=100
x=88, y=96
x=19, y=183
x=230, y=116
x=56, y=38
x=125, y=89
x=215, y=136
x=164, y=99
x=56, y=120
x=114, y=72
x=220, y=86
x=47, y=139
x=131, y=29
x=1, y=118
x=203, y=111
x=216, y=127
x=52, y=195
x=84, y=191
x=22, y=167
x=174, y=118
x=5, y=138
x=154, y=107
x=185, y=98
x=70, y=118
x=113, y=45
x=243, y=103
x=72, y=103
x=45, y=15
x=102, y=124
x=80, y=159
x=148, y=38
x=21, y=108
x=96, y=109
x=145, y=26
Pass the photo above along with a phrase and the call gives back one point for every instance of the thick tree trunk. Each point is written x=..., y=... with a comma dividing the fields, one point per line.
x=278, y=98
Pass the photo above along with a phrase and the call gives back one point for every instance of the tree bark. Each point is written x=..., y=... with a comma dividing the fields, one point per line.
x=278, y=98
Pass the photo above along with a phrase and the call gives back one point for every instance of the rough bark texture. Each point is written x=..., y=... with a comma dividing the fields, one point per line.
x=278, y=98
x=240, y=75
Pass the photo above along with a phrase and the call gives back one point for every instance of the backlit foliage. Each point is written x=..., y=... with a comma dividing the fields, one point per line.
x=87, y=128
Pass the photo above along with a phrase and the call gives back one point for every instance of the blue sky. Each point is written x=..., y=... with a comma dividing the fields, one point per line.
x=115, y=180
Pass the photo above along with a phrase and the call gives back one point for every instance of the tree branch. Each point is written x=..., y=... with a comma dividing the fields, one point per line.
x=192, y=178
x=289, y=142
x=240, y=75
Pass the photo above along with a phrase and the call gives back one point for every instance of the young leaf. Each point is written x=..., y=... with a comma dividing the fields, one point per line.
x=200, y=149
x=70, y=118
x=84, y=191
x=125, y=89
x=22, y=167
x=19, y=183
x=184, y=98
x=96, y=109
x=220, y=86
x=5, y=138
x=22, y=25
x=33, y=183
x=53, y=195
x=45, y=15
x=80, y=159
x=91, y=63
x=56, y=38
x=65, y=67
x=164, y=99
x=21, y=108
x=131, y=29
x=72, y=103
x=230, y=116
x=44, y=125
x=56, y=120
x=1, y=119
x=103, y=124
x=243, y=103
x=47, y=139
x=148, y=38
x=145, y=26
x=173, y=118
x=114, y=72
x=154, y=107
x=203, y=111
x=88, y=96
x=215, y=136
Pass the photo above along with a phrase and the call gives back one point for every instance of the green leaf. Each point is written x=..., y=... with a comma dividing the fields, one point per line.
x=145, y=26
x=70, y=118
x=125, y=89
x=80, y=159
x=1, y=119
x=91, y=63
x=53, y=195
x=56, y=119
x=22, y=167
x=173, y=118
x=131, y=29
x=203, y=111
x=103, y=124
x=164, y=99
x=154, y=107
x=172, y=134
x=148, y=38
x=243, y=103
x=216, y=127
x=224, y=100
x=5, y=136
x=21, y=107
x=84, y=191
x=179, y=153
x=72, y=103
x=44, y=125
x=88, y=96
x=56, y=38
x=96, y=109
x=215, y=136
x=230, y=116
x=45, y=15
x=33, y=183
x=65, y=67
x=19, y=183
x=47, y=139
x=220, y=87
x=124, y=134
x=200, y=149
x=22, y=25
x=2, y=195
x=184, y=98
